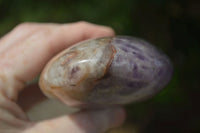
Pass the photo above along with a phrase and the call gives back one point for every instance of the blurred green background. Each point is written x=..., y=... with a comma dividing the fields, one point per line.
x=172, y=25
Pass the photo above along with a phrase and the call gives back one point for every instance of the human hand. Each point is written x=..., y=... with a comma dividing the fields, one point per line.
x=23, y=53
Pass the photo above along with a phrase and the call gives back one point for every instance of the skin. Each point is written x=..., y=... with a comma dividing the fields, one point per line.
x=23, y=53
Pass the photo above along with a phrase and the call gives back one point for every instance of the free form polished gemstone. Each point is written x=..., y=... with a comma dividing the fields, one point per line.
x=106, y=71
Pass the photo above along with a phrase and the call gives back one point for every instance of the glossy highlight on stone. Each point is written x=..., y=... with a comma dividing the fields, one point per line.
x=106, y=71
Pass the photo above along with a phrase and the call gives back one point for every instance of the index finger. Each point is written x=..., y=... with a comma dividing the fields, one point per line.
x=23, y=62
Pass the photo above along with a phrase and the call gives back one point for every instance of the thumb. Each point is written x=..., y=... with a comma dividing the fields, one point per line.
x=92, y=121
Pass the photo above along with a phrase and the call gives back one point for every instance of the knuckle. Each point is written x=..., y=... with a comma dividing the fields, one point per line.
x=40, y=34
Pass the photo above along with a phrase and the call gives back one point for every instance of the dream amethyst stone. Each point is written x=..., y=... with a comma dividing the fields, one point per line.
x=106, y=71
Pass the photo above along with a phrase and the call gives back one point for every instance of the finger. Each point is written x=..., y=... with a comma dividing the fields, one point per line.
x=11, y=116
x=36, y=105
x=19, y=33
x=24, y=61
x=11, y=108
x=93, y=121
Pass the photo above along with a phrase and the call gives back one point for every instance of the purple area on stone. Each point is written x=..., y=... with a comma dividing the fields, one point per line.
x=139, y=56
x=124, y=49
x=132, y=47
x=138, y=70
x=119, y=59
x=136, y=74
x=73, y=72
x=132, y=86
x=148, y=72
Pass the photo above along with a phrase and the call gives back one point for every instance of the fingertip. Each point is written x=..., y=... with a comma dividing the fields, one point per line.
x=90, y=30
x=107, y=31
x=101, y=31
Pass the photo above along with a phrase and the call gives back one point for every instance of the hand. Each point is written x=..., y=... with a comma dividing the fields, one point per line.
x=23, y=53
